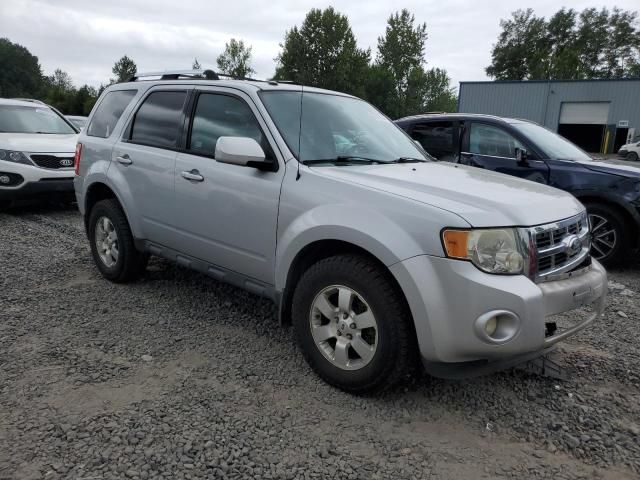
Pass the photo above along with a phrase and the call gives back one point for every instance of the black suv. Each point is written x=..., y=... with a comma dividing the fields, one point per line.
x=525, y=149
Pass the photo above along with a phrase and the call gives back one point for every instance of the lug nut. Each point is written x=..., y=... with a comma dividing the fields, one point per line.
x=349, y=336
x=339, y=333
x=352, y=326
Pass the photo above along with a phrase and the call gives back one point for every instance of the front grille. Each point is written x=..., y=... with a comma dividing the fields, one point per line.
x=53, y=161
x=561, y=246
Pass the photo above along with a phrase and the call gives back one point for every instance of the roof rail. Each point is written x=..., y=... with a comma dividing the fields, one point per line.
x=198, y=75
x=177, y=74
x=32, y=100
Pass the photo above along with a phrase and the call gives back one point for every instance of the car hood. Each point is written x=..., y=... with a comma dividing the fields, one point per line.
x=483, y=198
x=39, y=142
x=628, y=171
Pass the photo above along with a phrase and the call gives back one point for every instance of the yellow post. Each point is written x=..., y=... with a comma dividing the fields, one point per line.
x=606, y=142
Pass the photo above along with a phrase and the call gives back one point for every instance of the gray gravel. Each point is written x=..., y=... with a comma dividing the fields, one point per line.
x=178, y=376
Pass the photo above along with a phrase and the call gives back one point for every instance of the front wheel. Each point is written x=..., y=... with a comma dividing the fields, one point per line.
x=632, y=156
x=112, y=247
x=353, y=325
x=608, y=240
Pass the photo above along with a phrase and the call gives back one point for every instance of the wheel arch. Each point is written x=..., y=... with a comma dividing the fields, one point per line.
x=313, y=253
x=98, y=191
x=631, y=217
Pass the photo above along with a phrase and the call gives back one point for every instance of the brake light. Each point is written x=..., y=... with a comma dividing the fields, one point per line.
x=76, y=159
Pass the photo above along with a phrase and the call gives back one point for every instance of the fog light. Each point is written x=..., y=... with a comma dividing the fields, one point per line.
x=497, y=326
x=4, y=179
x=490, y=326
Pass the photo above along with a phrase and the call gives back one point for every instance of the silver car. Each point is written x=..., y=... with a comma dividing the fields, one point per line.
x=378, y=256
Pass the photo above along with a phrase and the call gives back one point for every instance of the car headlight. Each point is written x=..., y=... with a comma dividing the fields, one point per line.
x=15, y=157
x=491, y=250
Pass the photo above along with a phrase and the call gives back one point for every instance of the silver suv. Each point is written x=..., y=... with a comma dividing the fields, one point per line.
x=376, y=254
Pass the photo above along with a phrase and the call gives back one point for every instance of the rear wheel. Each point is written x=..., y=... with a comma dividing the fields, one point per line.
x=112, y=246
x=353, y=325
x=4, y=205
x=608, y=239
x=632, y=156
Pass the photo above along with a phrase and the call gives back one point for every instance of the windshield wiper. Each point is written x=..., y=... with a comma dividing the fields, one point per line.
x=408, y=160
x=343, y=160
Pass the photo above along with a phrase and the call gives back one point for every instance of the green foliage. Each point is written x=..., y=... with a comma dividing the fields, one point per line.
x=124, y=69
x=20, y=74
x=591, y=44
x=235, y=60
x=323, y=53
x=400, y=84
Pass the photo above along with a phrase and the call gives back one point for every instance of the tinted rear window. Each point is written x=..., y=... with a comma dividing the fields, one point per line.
x=159, y=120
x=109, y=112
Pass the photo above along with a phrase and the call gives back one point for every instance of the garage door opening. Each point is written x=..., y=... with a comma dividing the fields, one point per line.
x=587, y=137
x=584, y=123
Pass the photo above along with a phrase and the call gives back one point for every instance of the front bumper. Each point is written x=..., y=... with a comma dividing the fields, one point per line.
x=29, y=181
x=447, y=297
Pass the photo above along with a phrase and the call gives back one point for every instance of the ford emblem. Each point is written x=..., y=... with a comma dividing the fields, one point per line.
x=573, y=244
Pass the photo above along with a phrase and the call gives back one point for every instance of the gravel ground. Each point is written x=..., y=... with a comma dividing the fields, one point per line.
x=178, y=376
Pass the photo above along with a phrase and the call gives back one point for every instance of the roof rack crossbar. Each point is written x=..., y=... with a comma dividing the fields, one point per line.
x=189, y=75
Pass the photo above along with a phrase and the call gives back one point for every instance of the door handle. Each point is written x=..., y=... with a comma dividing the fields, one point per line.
x=193, y=175
x=124, y=159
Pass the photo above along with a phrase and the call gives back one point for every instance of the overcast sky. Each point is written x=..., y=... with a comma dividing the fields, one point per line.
x=86, y=37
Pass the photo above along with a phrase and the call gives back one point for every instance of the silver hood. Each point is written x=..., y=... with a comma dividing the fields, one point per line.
x=483, y=198
x=39, y=142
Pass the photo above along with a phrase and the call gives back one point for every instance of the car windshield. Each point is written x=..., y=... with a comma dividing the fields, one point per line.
x=553, y=145
x=337, y=128
x=24, y=119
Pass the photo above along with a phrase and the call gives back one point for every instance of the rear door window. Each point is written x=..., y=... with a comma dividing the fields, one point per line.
x=492, y=141
x=159, y=120
x=437, y=138
x=109, y=112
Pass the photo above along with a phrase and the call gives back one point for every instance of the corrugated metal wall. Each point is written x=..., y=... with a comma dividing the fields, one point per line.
x=541, y=101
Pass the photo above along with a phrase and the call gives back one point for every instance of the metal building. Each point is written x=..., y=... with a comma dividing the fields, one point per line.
x=598, y=115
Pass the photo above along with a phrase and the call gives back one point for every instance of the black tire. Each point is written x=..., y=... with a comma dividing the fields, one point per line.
x=615, y=220
x=396, y=356
x=130, y=263
x=4, y=205
x=632, y=156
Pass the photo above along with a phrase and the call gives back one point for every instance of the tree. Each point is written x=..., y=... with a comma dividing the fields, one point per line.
x=124, y=69
x=592, y=44
x=521, y=48
x=439, y=96
x=323, y=53
x=196, y=64
x=20, y=75
x=400, y=85
x=236, y=59
x=401, y=50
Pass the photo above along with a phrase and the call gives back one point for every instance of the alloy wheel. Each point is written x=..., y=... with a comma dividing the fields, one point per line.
x=106, y=239
x=343, y=327
x=603, y=236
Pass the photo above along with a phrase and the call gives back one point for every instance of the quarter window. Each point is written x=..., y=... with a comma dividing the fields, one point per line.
x=492, y=141
x=159, y=120
x=109, y=112
x=223, y=116
x=437, y=138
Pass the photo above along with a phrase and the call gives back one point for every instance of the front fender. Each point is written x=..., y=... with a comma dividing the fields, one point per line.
x=365, y=228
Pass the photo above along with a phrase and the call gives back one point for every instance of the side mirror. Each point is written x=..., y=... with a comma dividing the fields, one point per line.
x=521, y=154
x=242, y=151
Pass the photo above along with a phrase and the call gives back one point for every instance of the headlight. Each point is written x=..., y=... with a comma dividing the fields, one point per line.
x=491, y=250
x=15, y=157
